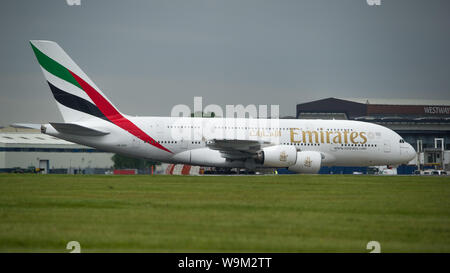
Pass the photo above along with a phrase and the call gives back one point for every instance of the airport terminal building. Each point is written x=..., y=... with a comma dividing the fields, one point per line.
x=29, y=150
x=423, y=124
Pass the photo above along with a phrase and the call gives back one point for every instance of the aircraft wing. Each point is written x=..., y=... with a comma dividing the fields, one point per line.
x=236, y=149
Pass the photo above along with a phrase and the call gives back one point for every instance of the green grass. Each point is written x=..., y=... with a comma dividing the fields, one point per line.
x=299, y=213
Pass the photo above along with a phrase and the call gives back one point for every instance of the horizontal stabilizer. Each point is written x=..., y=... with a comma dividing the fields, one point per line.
x=75, y=129
x=26, y=125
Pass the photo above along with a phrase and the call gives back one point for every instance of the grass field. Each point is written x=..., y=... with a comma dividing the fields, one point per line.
x=298, y=213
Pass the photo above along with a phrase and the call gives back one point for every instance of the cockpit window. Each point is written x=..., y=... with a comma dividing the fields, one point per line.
x=402, y=141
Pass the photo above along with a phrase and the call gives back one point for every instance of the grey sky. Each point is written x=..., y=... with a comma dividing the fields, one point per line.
x=147, y=56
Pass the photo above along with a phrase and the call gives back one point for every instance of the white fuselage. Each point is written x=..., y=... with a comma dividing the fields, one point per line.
x=340, y=142
x=300, y=145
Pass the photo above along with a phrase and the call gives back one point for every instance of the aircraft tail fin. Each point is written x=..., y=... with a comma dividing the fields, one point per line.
x=77, y=97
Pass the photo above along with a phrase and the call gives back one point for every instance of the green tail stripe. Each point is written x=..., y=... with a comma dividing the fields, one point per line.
x=53, y=67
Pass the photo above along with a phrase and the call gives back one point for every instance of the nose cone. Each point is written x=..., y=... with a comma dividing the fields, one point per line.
x=410, y=154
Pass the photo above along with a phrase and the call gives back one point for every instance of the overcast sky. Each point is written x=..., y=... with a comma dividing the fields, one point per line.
x=148, y=56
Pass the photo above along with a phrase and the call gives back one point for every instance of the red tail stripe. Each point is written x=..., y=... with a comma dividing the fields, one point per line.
x=113, y=115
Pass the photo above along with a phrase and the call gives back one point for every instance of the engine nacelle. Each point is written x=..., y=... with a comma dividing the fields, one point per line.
x=278, y=156
x=307, y=162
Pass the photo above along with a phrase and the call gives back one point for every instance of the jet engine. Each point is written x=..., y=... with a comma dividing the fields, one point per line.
x=279, y=156
x=307, y=162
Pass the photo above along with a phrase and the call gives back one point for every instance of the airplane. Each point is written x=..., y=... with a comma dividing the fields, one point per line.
x=301, y=146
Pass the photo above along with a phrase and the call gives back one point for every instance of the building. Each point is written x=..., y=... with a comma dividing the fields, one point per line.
x=23, y=150
x=425, y=124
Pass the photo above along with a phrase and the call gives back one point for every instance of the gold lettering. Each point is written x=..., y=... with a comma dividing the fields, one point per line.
x=337, y=138
x=345, y=136
x=353, y=136
x=293, y=134
x=363, y=136
x=328, y=136
x=310, y=135
x=315, y=136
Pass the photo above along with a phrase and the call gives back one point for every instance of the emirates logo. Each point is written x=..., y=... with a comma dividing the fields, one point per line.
x=283, y=156
x=307, y=162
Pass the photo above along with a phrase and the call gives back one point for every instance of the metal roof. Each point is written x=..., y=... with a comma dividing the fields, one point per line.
x=393, y=101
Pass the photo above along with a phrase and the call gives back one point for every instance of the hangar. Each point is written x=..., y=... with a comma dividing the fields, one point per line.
x=425, y=124
x=23, y=150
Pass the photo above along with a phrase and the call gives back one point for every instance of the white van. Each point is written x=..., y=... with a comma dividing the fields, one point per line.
x=434, y=172
x=439, y=172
